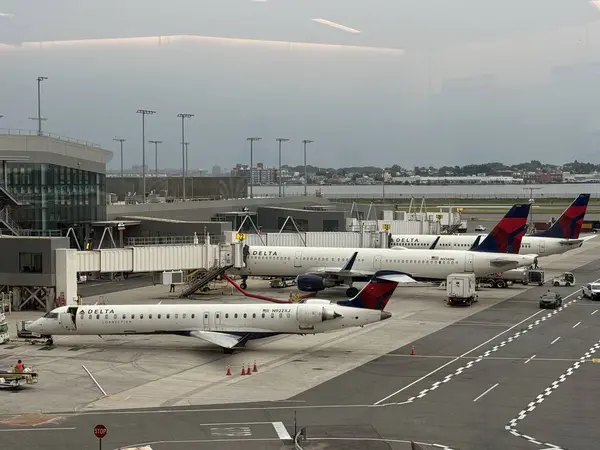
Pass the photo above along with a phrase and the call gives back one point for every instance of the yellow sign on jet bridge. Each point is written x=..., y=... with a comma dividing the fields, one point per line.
x=240, y=236
x=386, y=227
x=596, y=360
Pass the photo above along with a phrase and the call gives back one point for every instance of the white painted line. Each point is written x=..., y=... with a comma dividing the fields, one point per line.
x=94, y=380
x=231, y=423
x=575, y=326
x=282, y=431
x=529, y=359
x=7, y=430
x=456, y=359
x=593, y=313
x=336, y=25
x=144, y=447
x=493, y=387
x=555, y=340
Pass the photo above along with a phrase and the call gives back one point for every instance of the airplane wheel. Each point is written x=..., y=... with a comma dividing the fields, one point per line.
x=351, y=292
x=243, y=285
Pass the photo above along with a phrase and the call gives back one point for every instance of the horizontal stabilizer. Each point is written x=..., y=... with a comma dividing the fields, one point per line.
x=221, y=339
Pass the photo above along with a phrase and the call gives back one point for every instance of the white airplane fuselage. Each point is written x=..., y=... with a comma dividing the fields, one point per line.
x=541, y=246
x=261, y=320
x=422, y=264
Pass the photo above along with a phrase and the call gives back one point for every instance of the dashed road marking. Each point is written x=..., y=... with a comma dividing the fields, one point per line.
x=593, y=313
x=555, y=340
x=480, y=358
x=529, y=359
x=531, y=406
x=493, y=387
x=576, y=325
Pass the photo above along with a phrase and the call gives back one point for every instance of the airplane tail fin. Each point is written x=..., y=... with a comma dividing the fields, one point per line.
x=378, y=291
x=568, y=225
x=507, y=235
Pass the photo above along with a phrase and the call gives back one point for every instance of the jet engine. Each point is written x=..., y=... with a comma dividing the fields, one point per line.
x=313, y=283
x=311, y=314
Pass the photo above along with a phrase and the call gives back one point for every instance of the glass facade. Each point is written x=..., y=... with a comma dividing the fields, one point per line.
x=57, y=197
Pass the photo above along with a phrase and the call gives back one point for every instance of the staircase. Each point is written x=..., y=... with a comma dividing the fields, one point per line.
x=9, y=223
x=203, y=280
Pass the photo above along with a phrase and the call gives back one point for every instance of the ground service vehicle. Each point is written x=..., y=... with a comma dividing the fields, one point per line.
x=591, y=291
x=461, y=289
x=503, y=279
x=566, y=279
x=4, y=336
x=551, y=300
x=536, y=276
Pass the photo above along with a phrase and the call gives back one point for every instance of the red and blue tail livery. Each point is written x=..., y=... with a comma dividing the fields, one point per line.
x=377, y=292
x=568, y=225
x=507, y=235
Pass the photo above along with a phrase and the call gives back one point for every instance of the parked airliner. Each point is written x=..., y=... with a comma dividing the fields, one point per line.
x=229, y=326
x=561, y=237
x=316, y=268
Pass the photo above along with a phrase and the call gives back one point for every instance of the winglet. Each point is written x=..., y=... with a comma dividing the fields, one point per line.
x=568, y=225
x=378, y=291
x=350, y=263
x=507, y=234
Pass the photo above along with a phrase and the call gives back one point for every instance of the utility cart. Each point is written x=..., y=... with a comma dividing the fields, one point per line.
x=9, y=378
x=566, y=279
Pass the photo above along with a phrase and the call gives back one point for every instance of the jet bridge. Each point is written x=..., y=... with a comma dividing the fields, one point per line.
x=70, y=262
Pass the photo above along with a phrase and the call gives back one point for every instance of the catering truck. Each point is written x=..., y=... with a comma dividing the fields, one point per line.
x=461, y=289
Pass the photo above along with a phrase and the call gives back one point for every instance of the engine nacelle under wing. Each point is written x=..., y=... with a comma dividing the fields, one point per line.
x=312, y=314
x=313, y=283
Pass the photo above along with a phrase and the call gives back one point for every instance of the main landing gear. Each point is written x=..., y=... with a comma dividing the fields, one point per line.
x=351, y=292
x=243, y=284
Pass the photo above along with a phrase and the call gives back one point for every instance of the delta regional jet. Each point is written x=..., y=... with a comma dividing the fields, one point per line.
x=317, y=269
x=561, y=237
x=229, y=326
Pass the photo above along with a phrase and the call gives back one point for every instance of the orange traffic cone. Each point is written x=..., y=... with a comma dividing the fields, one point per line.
x=243, y=369
x=228, y=370
x=254, y=369
x=412, y=350
x=249, y=370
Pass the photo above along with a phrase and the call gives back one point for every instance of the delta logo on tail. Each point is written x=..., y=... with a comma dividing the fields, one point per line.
x=507, y=235
x=568, y=225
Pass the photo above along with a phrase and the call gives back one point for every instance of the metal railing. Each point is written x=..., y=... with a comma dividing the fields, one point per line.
x=20, y=132
x=171, y=240
x=9, y=222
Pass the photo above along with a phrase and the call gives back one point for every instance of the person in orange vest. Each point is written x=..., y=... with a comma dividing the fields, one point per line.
x=19, y=367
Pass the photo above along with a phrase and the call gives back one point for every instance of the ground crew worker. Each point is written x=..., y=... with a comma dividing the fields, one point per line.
x=19, y=367
x=172, y=288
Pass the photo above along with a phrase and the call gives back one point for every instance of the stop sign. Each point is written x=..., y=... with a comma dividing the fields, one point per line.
x=100, y=431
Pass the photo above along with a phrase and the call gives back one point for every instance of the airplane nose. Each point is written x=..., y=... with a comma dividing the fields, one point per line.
x=385, y=315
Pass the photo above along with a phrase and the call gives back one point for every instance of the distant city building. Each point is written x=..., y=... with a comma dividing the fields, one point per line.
x=260, y=173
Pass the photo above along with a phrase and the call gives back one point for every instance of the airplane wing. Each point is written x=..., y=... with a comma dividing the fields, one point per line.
x=221, y=339
x=341, y=272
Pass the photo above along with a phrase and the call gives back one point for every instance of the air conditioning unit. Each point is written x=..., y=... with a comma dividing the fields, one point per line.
x=171, y=277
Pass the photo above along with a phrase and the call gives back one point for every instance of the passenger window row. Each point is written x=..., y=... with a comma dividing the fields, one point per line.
x=141, y=316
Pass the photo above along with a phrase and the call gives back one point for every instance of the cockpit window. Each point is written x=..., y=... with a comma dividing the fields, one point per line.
x=51, y=315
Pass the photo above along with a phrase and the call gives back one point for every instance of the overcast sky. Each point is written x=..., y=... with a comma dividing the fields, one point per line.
x=407, y=82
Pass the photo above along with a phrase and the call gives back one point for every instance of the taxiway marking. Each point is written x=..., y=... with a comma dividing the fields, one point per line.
x=470, y=364
x=493, y=387
x=593, y=313
x=555, y=340
x=529, y=359
x=531, y=406
x=7, y=430
x=576, y=325
x=282, y=432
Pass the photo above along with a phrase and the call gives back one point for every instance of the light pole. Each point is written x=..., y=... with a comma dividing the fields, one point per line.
x=531, y=201
x=186, y=166
x=144, y=112
x=39, y=81
x=156, y=156
x=183, y=116
x=280, y=140
x=306, y=141
x=252, y=139
x=121, y=140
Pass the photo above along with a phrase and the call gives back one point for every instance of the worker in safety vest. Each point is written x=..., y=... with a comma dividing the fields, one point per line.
x=19, y=367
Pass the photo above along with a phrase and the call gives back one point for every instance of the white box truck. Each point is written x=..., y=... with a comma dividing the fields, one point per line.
x=461, y=289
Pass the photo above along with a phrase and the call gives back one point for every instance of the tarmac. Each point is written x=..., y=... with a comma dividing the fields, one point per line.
x=499, y=374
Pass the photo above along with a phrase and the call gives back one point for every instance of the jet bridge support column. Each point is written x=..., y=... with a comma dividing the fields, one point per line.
x=66, y=275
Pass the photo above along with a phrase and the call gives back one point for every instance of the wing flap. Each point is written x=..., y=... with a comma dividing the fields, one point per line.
x=221, y=339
